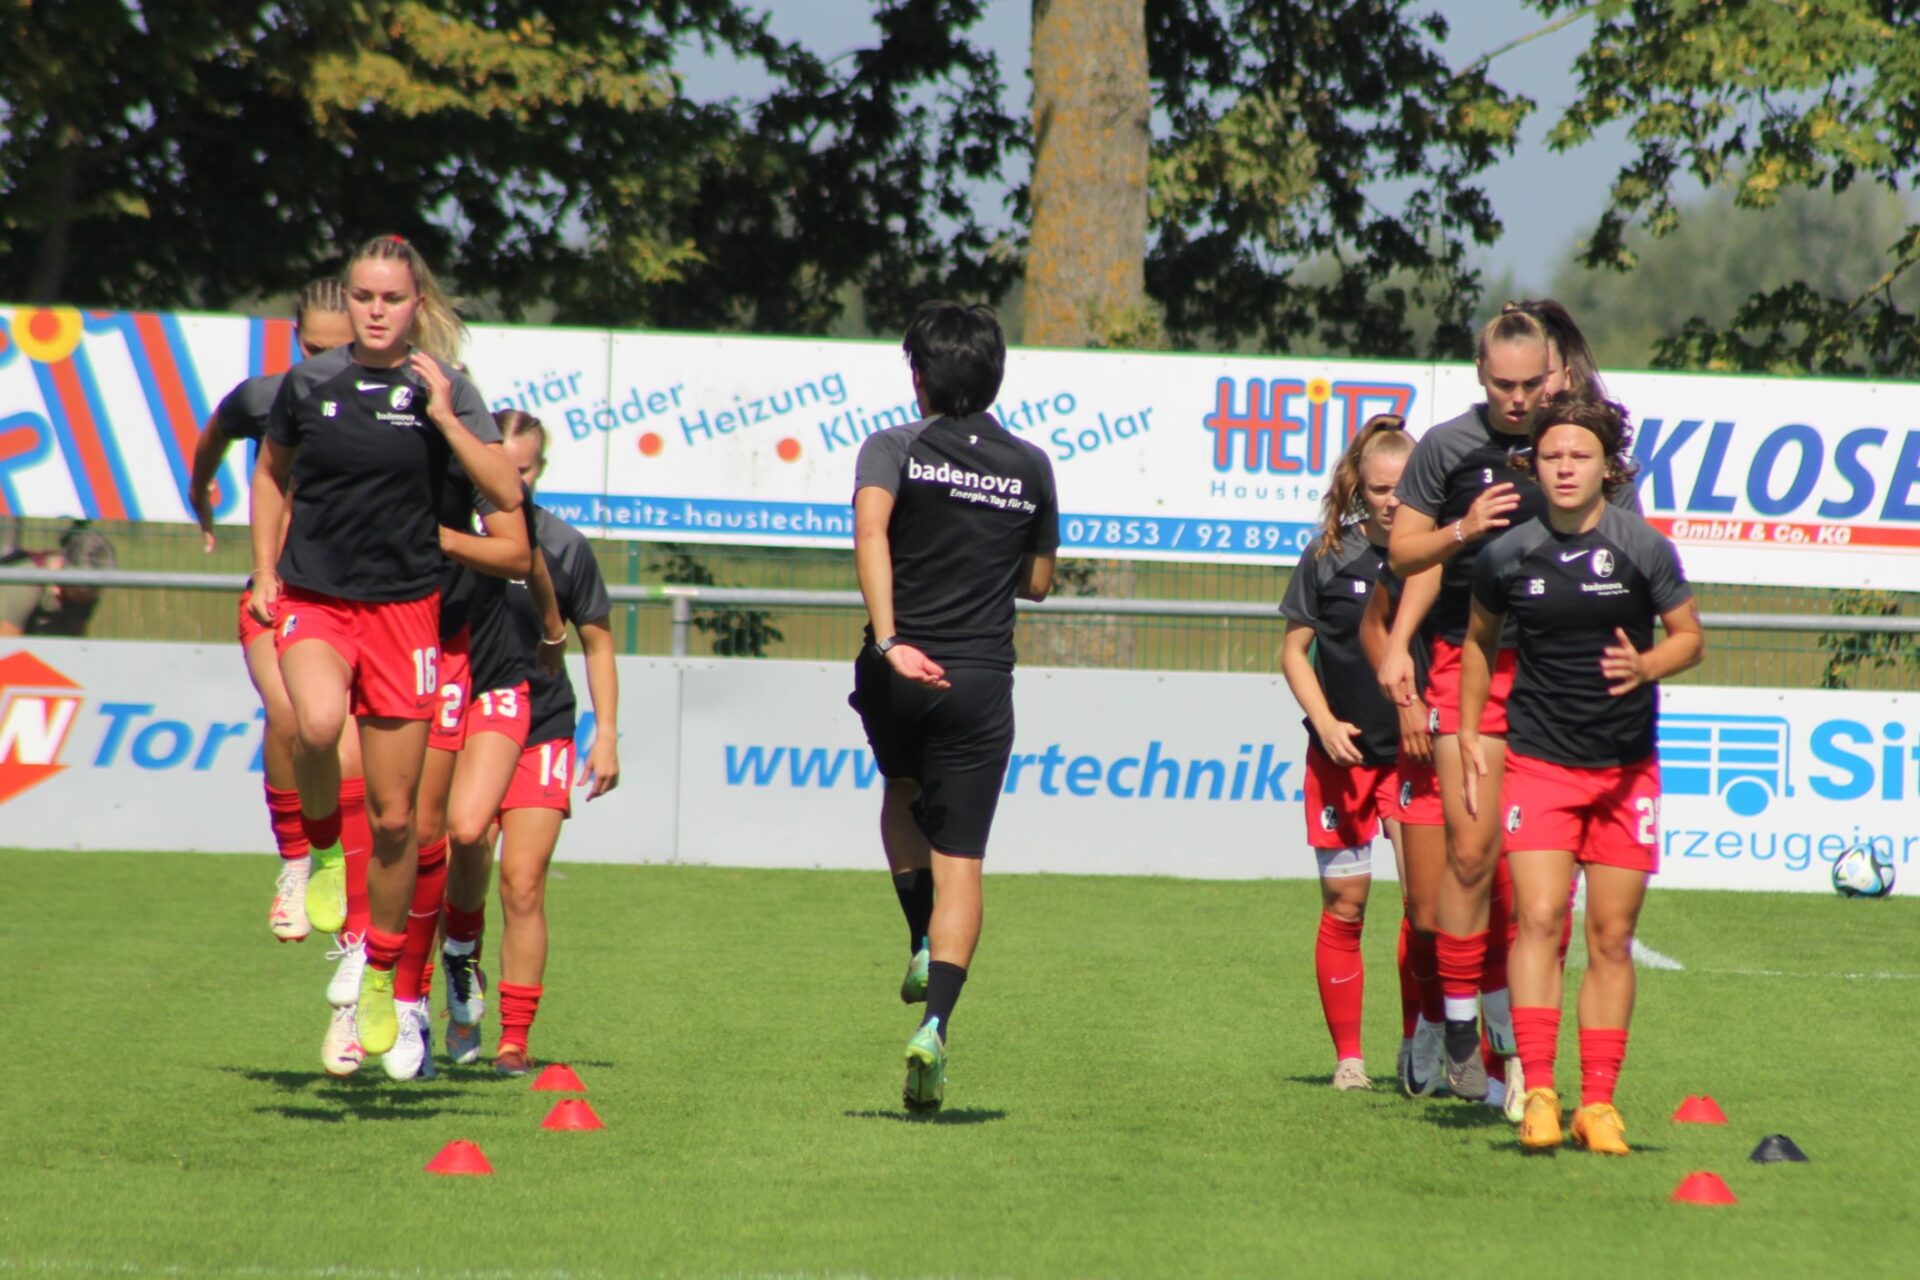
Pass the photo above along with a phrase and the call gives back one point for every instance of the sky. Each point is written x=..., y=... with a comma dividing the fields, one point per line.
x=1547, y=201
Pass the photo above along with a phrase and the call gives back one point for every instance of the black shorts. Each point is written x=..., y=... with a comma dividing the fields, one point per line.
x=954, y=742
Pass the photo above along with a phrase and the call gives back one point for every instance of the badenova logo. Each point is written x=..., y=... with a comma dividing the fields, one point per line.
x=38, y=706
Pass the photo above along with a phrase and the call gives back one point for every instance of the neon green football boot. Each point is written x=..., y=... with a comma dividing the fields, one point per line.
x=926, y=1083
x=913, y=987
x=379, y=1024
x=327, y=890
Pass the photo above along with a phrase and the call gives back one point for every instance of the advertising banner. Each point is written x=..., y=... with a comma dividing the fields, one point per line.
x=748, y=763
x=671, y=437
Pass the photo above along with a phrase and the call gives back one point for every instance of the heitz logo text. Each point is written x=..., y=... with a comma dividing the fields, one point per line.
x=1294, y=426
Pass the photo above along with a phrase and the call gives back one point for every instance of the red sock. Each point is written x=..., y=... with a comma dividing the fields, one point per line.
x=423, y=920
x=1343, y=981
x=464, y=925
x=1426, y=971
x=1409, y=985
x=1537, y=1033
x=519, y=1003
x=322, y=833
x=383, y=948
x=1602, y=1050
x=283, y=810
x=1461, y=960
x=356, y=838
x=1501, y=928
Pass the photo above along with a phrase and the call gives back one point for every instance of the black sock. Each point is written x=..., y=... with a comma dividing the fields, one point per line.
x=1462, y=1039
x=943, y=991
x=915, y=889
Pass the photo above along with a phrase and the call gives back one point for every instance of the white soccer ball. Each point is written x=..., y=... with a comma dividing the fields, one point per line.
x=1864, y=871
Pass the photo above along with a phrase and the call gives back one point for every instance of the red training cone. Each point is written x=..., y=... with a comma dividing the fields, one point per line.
x=571, y=1113
x=459, y=1157
x=558, y=1078
x=1703, y=1188
x=1699, y=1110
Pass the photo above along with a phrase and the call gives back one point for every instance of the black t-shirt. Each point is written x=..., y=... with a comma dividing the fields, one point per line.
x=243, y=412
x=369, y=477
x=1450, y=466
x=581, y=593
x=1421, y=649
x=501, y=646
x=971, y=502
x=1329, y=593
x=1567, y=593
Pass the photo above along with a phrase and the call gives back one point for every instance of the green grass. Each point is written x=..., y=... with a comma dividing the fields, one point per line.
x=1137, y=1089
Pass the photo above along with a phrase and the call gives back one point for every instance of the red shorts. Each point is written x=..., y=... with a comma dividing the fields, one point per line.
x=501, y=711
x=250, y=629
x=392, y=646
x=449, y=731
x=1417, y=802
x=543, y=779
x=1346, y=802
x=1443, y=690
x=1609, y=815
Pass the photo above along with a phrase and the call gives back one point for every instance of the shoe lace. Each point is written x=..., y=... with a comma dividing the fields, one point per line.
x=292, y=876
x=348, y=944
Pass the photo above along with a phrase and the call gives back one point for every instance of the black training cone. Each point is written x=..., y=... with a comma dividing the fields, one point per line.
x=1776, y=1147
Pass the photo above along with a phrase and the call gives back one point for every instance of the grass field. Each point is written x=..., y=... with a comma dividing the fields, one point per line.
x=1137, y=1089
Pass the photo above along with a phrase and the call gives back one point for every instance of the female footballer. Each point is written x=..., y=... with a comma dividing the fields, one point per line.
x=1581, y=586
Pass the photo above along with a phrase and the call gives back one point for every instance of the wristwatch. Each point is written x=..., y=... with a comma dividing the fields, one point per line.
x=881, y=646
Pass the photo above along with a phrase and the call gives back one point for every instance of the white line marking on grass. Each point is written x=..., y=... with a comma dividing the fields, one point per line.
x=1881, y=976
x=1647, y=958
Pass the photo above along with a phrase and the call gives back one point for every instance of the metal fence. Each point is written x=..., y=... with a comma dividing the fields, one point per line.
x=802, y=603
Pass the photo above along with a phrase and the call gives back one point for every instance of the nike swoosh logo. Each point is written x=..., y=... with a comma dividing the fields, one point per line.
x=370, y=386
x=1570, y=555
x=1337, y=981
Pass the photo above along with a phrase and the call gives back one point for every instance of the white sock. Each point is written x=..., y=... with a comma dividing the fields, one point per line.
x=1463, y=1008
x=458, y=946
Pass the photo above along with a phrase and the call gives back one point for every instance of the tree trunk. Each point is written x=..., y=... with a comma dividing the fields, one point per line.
x=56, y=240
x=1091, y=107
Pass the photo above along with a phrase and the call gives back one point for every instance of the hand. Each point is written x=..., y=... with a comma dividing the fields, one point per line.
x=439, y=389
x=1396, y=676
x=265, y=593
x=1476, y=769
x=1336, y=740
x=552, y=658
x=1416, y=743
x=910, y=663
x=1489, y=511
x=603, y=764
x=202, y=502
x=1623, y=664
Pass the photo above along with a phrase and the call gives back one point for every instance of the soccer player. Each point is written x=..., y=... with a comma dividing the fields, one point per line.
x=1459, y=487
x=538, y=800
x=320, y=324
x=1582, y=586
x=1353, y=783
x=953, y=518
x=368, y=434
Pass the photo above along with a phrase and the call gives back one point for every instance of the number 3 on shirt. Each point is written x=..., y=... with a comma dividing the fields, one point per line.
x=502, y=704
x=426, y=672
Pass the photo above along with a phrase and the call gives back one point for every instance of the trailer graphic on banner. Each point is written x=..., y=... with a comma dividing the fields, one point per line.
x=1223, y=458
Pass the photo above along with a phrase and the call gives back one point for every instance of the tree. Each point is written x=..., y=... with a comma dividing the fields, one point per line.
x=1719, y=254
x=1763, y=97
x=1087, y=242
x=160, y=154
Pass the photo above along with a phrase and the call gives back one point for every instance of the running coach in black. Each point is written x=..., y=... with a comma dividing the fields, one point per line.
x=953, y=518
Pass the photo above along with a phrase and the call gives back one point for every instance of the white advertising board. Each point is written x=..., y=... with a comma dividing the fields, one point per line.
x=743, y=763
x=1803, y=482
